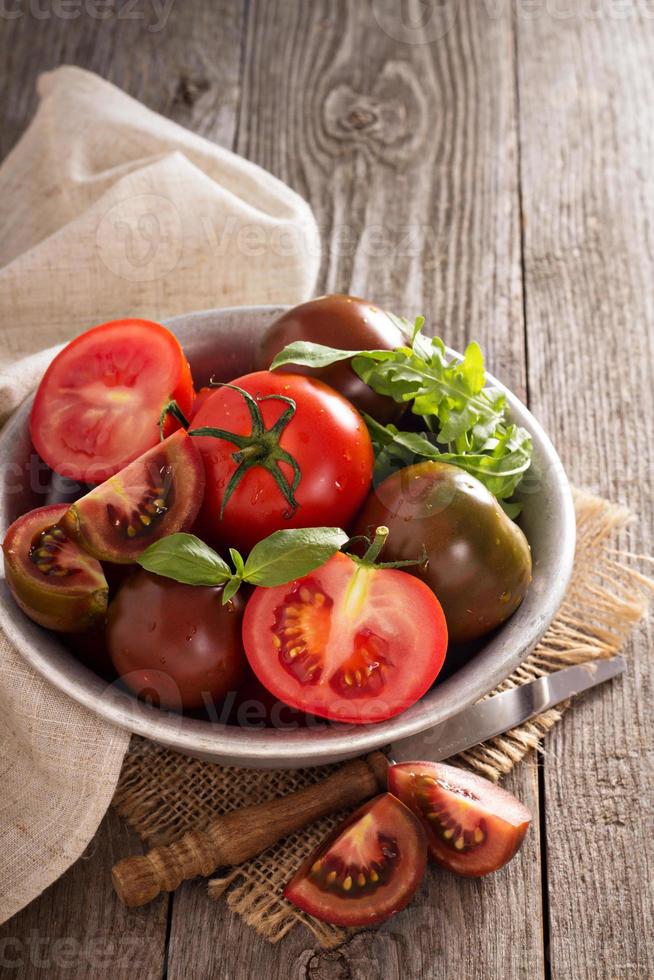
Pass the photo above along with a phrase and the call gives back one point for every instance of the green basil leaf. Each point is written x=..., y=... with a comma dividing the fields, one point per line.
x=290, y=554
x=231, y=589
x=186, y=559
x=239, y=564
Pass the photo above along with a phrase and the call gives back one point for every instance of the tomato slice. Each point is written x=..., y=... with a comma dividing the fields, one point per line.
x=367, y=870
x=98, y=405
x=341, y=644
x=158, y=494
x=53, y=581
x=473, y=827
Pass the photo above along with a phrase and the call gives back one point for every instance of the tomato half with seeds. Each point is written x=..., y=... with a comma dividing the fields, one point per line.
x=349, y=642
x=281, y=451
x=158, y=494
x=366, y=870
x=53, y=581
x=473, y=827
x=99, y=403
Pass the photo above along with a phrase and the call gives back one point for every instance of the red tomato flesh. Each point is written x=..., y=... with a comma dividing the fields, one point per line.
x=326, y=436
x=98, y=405
x=351, y=643
x=367, y=870
x=158, y=494
x=473, y=827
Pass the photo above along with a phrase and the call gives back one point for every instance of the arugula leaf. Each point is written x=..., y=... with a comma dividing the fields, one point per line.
x=306, y=354
x=465, y=422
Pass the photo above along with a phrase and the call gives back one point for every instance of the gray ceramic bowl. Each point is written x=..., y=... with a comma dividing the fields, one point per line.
x=221, y=343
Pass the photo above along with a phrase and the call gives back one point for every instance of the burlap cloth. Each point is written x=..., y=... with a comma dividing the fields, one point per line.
x=162, y=794
x=109, y=210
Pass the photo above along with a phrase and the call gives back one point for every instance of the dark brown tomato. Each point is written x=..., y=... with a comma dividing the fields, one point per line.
x=91, y=650
x=344, y=322
x=478, y=560
x=53, y=580
x=473, y=827
x=366, y=870
x=175, y=644
x=158, y=494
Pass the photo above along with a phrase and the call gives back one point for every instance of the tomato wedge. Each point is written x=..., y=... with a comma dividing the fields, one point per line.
x=473, y=827
x=98, y=405
x=158, y=494
x=53, y=581
x=367, y=870
x=350, y=642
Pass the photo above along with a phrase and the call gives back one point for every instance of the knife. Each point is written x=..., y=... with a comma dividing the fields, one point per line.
x=235, y=837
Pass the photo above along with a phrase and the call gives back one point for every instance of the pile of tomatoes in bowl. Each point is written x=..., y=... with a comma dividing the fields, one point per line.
x=237, y=540
x=275, y=537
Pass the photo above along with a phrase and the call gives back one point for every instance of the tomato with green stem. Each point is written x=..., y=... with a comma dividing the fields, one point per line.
x=339, y=644
x=280, y=451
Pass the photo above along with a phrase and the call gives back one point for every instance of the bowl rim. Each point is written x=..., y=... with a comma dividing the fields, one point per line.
x=279, y=748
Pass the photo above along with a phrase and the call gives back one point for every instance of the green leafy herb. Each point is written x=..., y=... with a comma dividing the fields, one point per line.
x=186, y=559
x=463, y=421
x=290, y=554
x=282, y=557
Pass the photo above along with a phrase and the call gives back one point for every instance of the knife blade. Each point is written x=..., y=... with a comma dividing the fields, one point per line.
x=502, y=712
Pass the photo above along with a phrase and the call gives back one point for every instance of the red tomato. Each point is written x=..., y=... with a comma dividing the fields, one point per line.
x=200, y=398
x=348, y=642
x=98, y=405
x=367, y=870
x=325, y=435
x=473, y=827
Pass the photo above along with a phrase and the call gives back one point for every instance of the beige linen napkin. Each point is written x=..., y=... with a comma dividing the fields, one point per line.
x=108, y=210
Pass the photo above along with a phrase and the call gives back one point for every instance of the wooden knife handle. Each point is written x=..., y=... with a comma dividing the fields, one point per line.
x=234, y=837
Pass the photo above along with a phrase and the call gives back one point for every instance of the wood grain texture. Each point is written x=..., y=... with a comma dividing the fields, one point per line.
x=586, y=93
x=78, y=929
x=408, y=155
x=188, y=70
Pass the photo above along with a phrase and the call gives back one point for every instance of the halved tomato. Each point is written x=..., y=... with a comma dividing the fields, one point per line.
x=349, y=642
x=158, y=494
x=99, y=403
x=473, y=827
x=366, y=870
x=53, y=581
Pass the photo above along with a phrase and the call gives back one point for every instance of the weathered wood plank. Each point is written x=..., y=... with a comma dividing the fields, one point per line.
x=407, y=153
x=189, y=71
x=77, y=928
x=586, y=87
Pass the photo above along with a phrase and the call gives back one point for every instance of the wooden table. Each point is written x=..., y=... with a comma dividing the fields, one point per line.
x=488, y=164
